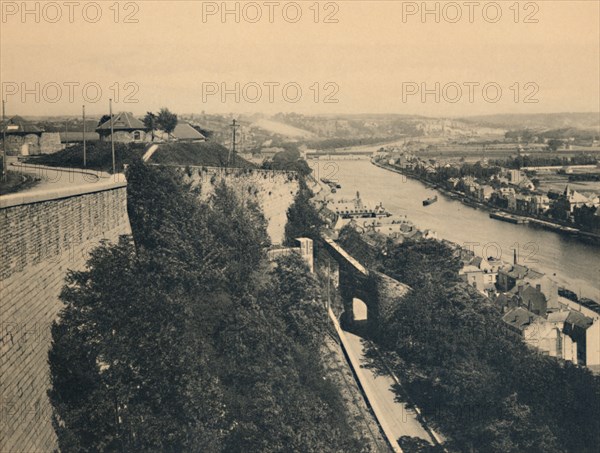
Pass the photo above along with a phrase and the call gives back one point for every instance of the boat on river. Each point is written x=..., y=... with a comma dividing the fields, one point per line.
x=430, y=201
x=498, y=215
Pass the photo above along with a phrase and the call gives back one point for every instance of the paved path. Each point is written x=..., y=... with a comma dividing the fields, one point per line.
x=56, y=183
x=398, y=419
x=395, y=419
x=57, y=178
x=148, y=154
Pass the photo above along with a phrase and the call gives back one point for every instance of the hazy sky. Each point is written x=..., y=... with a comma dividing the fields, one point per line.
x=377, y=58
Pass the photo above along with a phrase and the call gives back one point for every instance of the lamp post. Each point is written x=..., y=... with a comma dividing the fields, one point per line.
x=112, y=133
x=83, y=137
x=4, y=163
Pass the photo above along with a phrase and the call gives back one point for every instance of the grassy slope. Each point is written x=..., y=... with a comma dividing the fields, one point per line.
x=207, y=154
x=99, y=156
x=15, y=181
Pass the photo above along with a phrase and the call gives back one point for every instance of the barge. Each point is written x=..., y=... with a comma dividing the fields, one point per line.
x=508, y=217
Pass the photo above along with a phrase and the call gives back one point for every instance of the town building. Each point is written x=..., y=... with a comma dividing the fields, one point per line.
x=183, y=132
x=515, y=176
x=485, y=192
x=575, y=199
x=126, y=129
x=539, y=204
x=25, y=138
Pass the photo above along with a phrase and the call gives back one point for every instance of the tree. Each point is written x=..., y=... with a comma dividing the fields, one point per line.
x=103, y=119
x=242, y=229
x=483, y=388
x=289, y=160
x=150, y=121
x=554, y=144
x=125, y=370
x=166, y=120
x=303, y=218
x=185, y=338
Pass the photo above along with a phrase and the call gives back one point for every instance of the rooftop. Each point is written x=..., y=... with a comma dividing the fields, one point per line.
x=122, y=121
x=519, y=318
x=184, y=131
x=18, y=125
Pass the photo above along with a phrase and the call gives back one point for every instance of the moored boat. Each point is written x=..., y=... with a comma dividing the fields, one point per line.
x=430, y=201
x=508, y=217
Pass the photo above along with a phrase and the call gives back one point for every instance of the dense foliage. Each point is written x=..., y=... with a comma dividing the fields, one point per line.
x=288, y=160
x=15, y=182
x=303, y=219
x=547, y=160
x=475, y=170
x=531, y=136
x=480, y=385
x=98, y=156
x=185, y=338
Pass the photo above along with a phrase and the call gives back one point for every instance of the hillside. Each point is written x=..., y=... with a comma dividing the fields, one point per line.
x=286, y=130
x=98, y=156
x=207, y=154
x=541, y=121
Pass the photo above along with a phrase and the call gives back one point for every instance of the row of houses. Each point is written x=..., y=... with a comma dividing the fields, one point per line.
x=534, y=311
x=28, y=138
x=510, y=189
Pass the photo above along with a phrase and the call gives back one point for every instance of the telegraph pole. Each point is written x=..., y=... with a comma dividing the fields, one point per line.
x=4, y=163
x=112, y=133
x=67, y=131
x=83, y=136
x=234, y=127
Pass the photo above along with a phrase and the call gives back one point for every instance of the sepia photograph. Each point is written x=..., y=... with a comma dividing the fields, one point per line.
x=352, y=226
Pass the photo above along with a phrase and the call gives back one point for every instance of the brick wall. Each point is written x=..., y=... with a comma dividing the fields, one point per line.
x=39, y=242
x=273, y=190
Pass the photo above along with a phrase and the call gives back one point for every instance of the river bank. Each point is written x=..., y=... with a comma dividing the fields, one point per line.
x=571, y=262
x=544, y=223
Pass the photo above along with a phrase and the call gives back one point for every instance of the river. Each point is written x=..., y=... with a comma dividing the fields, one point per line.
x=573, y=264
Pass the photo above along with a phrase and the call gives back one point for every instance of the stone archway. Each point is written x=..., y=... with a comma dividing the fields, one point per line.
x=360, y=310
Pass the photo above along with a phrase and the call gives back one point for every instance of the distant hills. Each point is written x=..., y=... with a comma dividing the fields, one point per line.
x=538, y=121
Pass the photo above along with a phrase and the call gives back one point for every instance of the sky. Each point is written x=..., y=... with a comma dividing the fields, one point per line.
x=447, y=59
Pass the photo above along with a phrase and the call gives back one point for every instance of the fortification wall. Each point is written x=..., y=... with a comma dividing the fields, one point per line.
x=39, y=241
x=273, y=190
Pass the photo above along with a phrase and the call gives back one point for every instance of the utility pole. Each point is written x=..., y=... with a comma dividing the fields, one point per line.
x=112, y=133
x=67, y=131
x=4, y=163
x=83, y=136
x=234, y=127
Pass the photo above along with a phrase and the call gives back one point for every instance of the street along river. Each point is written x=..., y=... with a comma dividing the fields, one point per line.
x=573, y=264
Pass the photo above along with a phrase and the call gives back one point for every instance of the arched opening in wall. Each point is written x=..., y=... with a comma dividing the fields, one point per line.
x=360, y=310
x=137, y=135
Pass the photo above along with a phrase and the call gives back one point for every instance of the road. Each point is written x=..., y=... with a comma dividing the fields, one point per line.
x=55, y=178
x=396, y=419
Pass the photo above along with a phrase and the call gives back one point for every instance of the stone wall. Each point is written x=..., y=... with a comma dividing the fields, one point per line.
x=129, y=137
x=273, y=190
x=50, y=143
x=17, y=144
x=32, y=144
x=39, y=242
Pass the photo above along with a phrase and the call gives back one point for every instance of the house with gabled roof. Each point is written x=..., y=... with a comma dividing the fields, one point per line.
x=27, y=138
x=183, y=132
x=575, y=199
x=22, y=136
x=126, y=128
